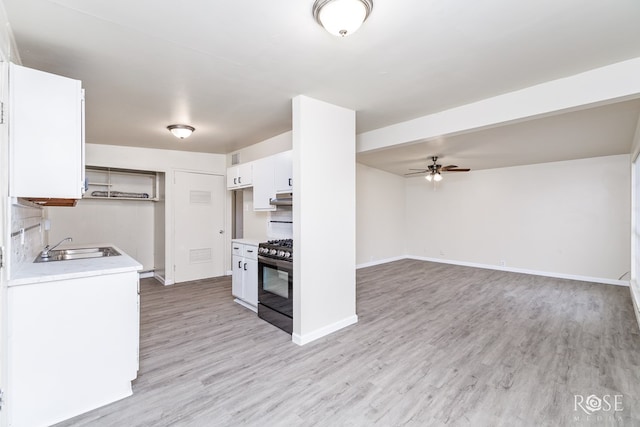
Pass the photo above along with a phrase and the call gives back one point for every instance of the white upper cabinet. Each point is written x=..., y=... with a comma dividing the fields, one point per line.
x=283, y=167
x=263, y=184
x=240, y=176
x=46, y=135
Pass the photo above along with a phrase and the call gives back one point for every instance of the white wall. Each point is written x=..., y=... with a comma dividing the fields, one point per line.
x=255, y=223
x=127, y=224
x=324, y=181
x=634, y=282
x=567, y=218
x=167, y=161
x=266, y=148
x=380, y=216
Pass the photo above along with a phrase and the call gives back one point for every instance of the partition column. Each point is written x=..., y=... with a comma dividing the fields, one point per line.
x=324, y=232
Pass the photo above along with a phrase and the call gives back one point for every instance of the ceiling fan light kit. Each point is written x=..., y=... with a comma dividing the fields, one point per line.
x=434, y=171
x=342, y=17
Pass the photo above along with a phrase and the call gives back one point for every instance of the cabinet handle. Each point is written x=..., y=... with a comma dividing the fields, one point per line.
x=290, y=184
x=239, y=180
x=250, y=251
x=245, y=266
x=235, y=181
x=235, y=248
x=239, y=264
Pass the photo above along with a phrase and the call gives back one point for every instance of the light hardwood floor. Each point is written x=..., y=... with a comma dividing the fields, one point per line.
x=435, y=344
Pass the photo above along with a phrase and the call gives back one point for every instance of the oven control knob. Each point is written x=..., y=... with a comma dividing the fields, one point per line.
x=287, y=254
x=273, y=252
x=281, y=254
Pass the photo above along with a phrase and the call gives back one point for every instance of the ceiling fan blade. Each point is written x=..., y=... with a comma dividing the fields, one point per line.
x=446, y=168
x=415, y=173
x=457, y=170
x=414, y=169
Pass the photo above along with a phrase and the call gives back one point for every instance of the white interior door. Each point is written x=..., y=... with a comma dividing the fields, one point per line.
x=198, y=226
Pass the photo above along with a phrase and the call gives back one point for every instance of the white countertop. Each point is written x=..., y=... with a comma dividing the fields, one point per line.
x=252, y=242
x=38, y=272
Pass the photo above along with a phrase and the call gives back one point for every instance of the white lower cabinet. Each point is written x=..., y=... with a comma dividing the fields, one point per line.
x=244, y=281
x=72, y=346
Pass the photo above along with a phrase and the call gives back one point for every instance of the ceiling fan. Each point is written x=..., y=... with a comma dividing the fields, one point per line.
x=434, y=170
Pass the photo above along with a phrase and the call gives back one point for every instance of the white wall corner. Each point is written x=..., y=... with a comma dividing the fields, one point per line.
x=381, y=261
x=324, y=331
x=555, y=275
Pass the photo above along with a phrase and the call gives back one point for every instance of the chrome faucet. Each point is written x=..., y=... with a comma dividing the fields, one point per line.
x=45, y=251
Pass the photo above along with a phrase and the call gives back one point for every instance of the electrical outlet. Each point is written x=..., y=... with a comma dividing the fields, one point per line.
x=441, y=252
x=503, y=263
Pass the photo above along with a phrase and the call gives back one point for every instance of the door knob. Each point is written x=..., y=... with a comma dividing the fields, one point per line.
x=221, y=231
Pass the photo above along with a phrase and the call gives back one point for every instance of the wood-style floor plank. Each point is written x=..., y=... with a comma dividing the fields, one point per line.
x=435, y=345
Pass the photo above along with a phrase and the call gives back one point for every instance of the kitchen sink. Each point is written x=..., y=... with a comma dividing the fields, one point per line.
x=81, y=253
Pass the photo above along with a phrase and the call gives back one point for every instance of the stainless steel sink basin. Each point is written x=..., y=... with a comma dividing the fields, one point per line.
x=81, y=253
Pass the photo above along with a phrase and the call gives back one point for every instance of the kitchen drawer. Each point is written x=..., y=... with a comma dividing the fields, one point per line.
x=250, y=252
x=237, y=249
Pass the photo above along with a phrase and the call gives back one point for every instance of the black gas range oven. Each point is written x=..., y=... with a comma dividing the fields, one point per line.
x=275, y=283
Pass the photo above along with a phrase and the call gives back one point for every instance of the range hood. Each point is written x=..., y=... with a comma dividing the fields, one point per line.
x=285, y=199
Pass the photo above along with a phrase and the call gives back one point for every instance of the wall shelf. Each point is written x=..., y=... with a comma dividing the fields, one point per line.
x=121, y=184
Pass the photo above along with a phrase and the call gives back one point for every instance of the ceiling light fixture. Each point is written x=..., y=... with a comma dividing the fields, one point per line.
x=342, y=17
x=433, y=176
x=181, y=131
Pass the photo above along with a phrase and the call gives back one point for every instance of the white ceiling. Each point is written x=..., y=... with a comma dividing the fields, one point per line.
x=230, y=68
x=594, y=132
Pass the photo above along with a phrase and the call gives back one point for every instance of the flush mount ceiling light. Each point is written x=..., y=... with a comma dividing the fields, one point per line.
x=181, y=131
x=342, y=17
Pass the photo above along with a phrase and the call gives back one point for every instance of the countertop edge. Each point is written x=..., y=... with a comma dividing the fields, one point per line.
x=252, y=242
x=33, y=273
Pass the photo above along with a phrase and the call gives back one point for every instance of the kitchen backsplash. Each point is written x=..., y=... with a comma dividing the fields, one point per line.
x=26, y=242
x=280, y=225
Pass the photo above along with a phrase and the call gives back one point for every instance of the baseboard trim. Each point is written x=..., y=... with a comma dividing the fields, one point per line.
x=380, y=261
x=324, y=331
x=635, y=298
x=526, y=271
x=162, y=280
x=147, y=274
x=246, y=305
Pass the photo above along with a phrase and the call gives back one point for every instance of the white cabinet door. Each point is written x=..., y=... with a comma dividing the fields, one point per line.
x=283, y=172
x=250, y=281
x=232, y=177
x=263, y=184
x=244, y=279
x=72, y=346
x=236, y=277
x=240, y=176
x=245, y=174
x=46, y=135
